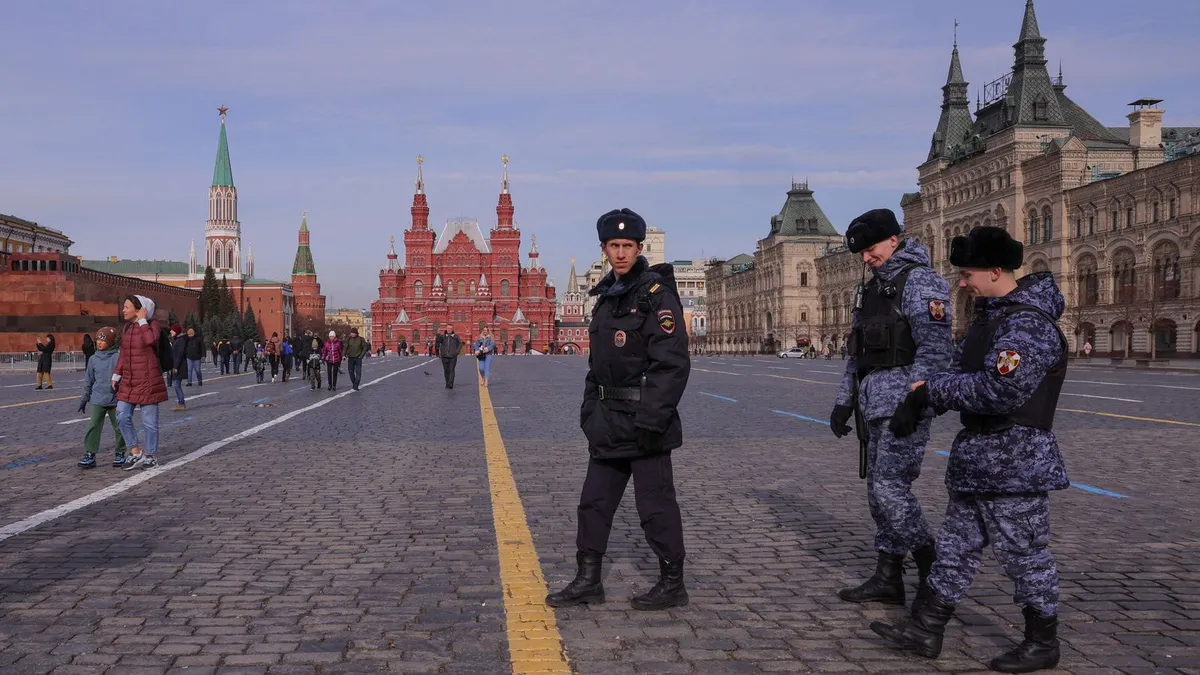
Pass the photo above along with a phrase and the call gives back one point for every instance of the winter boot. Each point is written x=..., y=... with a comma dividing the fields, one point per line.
x=668, y=592
x=922, y=634
x=1039, y=649
x=88, y=461
x=924, y=558
x=119, y=460
x=886, y=585
x=586, y=587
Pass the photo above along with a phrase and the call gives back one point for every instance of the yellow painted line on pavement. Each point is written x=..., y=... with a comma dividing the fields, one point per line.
x=45, y=400
x=723, y=372
x=534, y=643
x=1131, y=417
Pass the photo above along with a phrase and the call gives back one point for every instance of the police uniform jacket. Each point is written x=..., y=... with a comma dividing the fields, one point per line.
x=925, y=307
x=638, y=343
x=1019, y=352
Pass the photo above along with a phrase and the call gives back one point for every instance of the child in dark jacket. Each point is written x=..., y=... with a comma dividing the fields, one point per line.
x=259, y=362
x=98, y=390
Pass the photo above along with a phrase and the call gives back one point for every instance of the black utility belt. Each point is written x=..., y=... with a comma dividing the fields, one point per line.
x=995, y=426
x=620, y=393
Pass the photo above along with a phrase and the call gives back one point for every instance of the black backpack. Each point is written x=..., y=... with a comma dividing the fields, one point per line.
x=166, y=356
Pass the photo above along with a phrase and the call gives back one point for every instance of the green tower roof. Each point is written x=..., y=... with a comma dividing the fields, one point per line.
x=223, y=173
x=304, y=260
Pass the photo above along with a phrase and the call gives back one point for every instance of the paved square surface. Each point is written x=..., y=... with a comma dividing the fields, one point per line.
x=291, y=531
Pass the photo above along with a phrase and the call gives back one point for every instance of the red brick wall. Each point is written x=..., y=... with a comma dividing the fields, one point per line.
x=73, y=302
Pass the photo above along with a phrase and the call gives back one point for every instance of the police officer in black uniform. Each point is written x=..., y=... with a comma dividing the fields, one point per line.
x=638, y=370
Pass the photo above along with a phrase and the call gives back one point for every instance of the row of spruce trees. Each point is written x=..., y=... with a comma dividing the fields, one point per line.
x=219, y=315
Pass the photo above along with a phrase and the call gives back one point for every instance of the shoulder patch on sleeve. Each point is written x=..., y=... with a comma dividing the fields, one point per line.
x=666, y=321
x=1007, y=361
x=937, y=310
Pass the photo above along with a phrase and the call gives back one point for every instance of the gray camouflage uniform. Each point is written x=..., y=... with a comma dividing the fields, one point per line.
x=999, y=481
x=893, y=464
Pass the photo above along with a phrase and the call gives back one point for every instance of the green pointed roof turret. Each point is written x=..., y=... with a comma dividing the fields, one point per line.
x=304, y=260
x=222, y=172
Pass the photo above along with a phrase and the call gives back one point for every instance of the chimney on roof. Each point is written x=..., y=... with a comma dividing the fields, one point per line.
x=1145, y=132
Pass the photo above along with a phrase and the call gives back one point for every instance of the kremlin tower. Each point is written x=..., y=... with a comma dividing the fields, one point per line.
x=310, y=304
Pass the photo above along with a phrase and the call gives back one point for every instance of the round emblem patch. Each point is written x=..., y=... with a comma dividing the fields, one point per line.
x=937, y=310
x=1007, y=361
x=620, y=226
x=619, y=338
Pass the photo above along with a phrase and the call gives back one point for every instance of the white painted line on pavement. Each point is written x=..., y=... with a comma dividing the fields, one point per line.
x=13, y=529
x=193, y=398
x=742, y=365
x=81, y=419
x=260, y=384
x=778, y=368
x=1136, y=384
x=1114, y=384
x=1172, y=386
x=1107, y=398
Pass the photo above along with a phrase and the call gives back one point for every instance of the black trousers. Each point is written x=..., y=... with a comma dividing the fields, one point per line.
x=653, y=493
x=448, y=365
x=332, y=369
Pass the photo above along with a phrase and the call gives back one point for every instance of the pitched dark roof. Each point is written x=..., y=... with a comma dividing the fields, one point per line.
x=801, y=215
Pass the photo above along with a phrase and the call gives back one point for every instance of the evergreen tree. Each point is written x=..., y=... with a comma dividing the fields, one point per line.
x=249, y=323
x=236, y=330
x=225, y=305
x=190, y=321
x=209, y=295
x=172, y=319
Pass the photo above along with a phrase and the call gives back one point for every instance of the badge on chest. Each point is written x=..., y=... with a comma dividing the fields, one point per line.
x=619, y=339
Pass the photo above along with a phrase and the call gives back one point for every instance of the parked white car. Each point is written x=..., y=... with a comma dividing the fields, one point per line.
x=793, y=353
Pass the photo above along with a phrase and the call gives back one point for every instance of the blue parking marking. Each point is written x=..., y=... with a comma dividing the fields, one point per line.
x=723, y=398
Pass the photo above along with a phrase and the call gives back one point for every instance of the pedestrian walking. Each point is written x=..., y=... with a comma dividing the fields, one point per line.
x=179, y=361
x=45, y=345
x=1087, y=349
x=258, y=361
x=637, y=373
x=355, y=349
x=900, y=333
x=1005, y=460
x=449, y=345
x=285, y=358
x=98, y=392
x=485, y=349
x=312, y=365
x=236, y=347
x=225, y=351
x=272, y=350
x=88, y=348
x=195, y=356
x=331, y=354
x=138, y=381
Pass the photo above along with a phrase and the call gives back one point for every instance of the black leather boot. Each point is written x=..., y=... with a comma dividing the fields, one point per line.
x=668, y=592
x=922, y=634
x=1039, y=649
x=586, y=587
x=924, y=558
x=886, y=585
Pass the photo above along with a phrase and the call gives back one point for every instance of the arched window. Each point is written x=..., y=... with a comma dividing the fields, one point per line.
x=1166, y=271
x=1047, y=224
x=504, y=288
x=1032, y=235
x=1124, y=277
x=217, y=257
x=462, y=287
x=418, y=292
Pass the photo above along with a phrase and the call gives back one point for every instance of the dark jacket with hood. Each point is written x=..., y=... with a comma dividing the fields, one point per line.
x=46, y=359
x=179, y=356
x=195, y=345
x=1020, y=459
x=638, y=340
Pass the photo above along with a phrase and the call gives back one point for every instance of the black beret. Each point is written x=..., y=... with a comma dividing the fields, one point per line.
x=621, y=224
x=871, y=228
x=986, y=247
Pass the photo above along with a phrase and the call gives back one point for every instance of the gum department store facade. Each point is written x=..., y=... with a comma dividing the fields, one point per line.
x=1112, y=212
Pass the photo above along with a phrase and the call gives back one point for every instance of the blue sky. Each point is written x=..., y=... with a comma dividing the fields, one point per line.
x=695, y=114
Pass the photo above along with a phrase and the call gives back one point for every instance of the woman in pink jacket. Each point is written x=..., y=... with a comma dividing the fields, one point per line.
x=331, y=354
x=138, y=381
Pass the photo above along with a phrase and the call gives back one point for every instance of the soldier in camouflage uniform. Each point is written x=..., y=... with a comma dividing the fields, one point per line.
x=1004, y=381
x=901, y=334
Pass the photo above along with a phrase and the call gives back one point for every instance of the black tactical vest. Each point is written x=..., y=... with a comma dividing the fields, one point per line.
x=883, y=336
x=1038, y=411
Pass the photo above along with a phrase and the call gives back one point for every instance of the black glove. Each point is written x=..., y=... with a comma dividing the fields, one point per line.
x=648, y=439
x=838, y=418
x=908, y=414
x=82, y=406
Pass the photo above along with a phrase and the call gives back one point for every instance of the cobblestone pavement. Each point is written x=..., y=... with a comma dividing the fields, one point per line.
x=353, y=532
